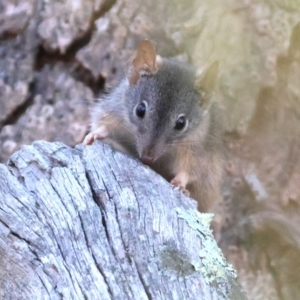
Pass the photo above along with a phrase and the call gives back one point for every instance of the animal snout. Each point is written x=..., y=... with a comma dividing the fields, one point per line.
x=147, y=159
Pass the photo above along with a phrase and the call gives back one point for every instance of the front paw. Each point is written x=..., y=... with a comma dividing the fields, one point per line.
x=98, y=134
x=178, y=185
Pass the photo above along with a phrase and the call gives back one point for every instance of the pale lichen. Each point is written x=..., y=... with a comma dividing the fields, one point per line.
x=214, y=264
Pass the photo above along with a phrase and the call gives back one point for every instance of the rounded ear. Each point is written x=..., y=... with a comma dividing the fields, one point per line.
x=143, y=62
x=206, y=83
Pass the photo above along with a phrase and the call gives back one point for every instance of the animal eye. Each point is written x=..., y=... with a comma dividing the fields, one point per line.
x=180, y=123
x=140, y=109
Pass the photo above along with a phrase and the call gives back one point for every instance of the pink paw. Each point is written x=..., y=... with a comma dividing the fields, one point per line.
x=98, y=134
x=178, y=184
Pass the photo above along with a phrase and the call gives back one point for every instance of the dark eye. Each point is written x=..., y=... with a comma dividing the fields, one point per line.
x=180, y=123
x=140, y=109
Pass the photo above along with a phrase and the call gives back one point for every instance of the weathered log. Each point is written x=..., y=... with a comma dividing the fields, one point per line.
x=95, y=224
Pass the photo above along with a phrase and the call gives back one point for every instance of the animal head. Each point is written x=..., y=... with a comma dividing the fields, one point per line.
x=166, y=100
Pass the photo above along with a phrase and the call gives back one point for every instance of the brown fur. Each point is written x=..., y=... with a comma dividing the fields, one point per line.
x=193, y=163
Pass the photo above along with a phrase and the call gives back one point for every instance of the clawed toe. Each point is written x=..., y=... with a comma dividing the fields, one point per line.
x=98, y=134
x=185, y=192
x=89, y=139
x=178, y=186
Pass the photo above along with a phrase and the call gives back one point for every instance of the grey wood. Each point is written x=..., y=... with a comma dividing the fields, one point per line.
x=95, y=224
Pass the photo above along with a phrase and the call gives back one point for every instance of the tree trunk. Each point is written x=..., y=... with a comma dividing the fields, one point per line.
x=56, y=57
x=95, y=224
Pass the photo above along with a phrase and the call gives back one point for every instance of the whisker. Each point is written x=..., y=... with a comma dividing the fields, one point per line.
x=125, y=125
x=100, y=110
x=195, y=142
x=93, y=100
x=183, y=142
x=84, y=101
x=184, y=147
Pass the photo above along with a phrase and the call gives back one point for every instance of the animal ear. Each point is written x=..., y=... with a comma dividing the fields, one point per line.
x=206, y=83
x=144, y=61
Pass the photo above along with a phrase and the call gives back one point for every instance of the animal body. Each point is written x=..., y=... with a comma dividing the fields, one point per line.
x=165, y=114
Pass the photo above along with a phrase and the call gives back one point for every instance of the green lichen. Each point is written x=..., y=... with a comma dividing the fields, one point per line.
x=214, y=265
x=175, y=262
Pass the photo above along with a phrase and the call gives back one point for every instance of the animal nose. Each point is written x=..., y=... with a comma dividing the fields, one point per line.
x=147, y=159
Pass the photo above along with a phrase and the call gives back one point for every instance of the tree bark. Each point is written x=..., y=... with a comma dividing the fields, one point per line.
x=95, y=224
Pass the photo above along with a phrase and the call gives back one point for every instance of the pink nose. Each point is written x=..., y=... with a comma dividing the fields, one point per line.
x=146, y=159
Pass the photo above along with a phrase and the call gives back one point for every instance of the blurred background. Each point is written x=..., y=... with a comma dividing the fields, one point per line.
x=56, y=57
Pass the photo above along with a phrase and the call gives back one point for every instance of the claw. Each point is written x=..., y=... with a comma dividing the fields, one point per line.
x=178, y=186
x=98, y=134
